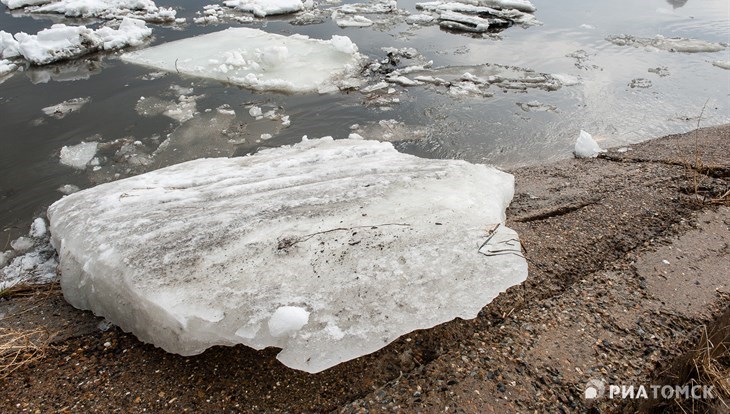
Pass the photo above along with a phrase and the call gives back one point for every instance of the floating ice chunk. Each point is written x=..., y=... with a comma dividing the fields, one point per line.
x=79, y=155
x=566, y=80
x=375, y=7
x=62, y=42
x=7, y=67
x=8, y=46
x=514, y=15
x=421, y=19
x=586, y=146
x=353, y=21
x=16, y=4
x=287, y=320
x=463, y=22
x=183, y=110
x=263, y=8
x=107, y=9
x=64, y=108
x=258, y=60
x=521, y=5
x=403, y=81
x=724, y=64
x=255, y=112
x=68, y=189
x=348, y=231
x=671, y=44
x=38, y=229
x=22, y=244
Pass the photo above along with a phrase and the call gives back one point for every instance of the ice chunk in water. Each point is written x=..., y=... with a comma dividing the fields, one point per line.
x=62, y=42
x=586, y=146
x=263, y=8
x=78, y=156
x=325, y=249
x=258, y=60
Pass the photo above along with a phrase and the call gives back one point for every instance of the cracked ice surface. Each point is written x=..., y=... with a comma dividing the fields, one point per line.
x=258, y=60
x=326, y=249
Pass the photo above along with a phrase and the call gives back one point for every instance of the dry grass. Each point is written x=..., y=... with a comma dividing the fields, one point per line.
x=712, y=365
x=20, y=348
x=698, y=172
x=27, y=289
x=707, y=363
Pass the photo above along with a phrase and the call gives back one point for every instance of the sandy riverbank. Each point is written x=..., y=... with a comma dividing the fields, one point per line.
x=626, y=265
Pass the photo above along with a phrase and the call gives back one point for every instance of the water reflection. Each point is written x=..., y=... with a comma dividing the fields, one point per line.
x=677, y=3
x=74, y=70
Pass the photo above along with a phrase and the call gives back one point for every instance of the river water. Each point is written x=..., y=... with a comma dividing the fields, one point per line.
x=619, y=100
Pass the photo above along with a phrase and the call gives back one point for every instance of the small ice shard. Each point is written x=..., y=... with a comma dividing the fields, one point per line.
x=68, y=189
x=263, y=8
x=723, y=64
x=287, y=320
x=79, y=155
x=258, y=60
x=64, y=108
x=22, y=244
x=586, y=146
x=325, y=249
x=38, y=229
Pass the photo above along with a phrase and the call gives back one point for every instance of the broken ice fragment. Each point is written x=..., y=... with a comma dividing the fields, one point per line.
x=64, y=108
x=80, y=155
x=586, y=146
x=325, y=249
x=38, y=229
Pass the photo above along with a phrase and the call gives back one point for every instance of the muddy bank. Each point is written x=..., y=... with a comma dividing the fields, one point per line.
x=628, y=258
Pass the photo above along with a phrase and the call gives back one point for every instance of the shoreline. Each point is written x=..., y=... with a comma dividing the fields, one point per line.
x=599, y=302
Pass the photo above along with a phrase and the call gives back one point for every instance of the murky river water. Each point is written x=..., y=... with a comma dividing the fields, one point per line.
x=619, y=99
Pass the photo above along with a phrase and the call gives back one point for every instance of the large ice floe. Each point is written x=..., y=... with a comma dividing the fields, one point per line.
x=327, y=249
x=476, y=16
x=62, y=42
x=145, y=10
x=670, y=44
x=263, y=8
x=259, y=60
